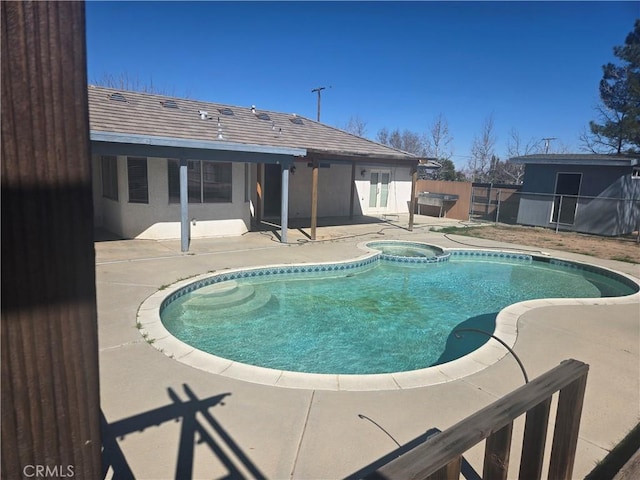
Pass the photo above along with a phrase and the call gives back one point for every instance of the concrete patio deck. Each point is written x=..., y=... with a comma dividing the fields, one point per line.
x=169, y=420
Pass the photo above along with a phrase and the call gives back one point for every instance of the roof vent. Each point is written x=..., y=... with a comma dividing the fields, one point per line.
x=263, y=116
x=253, y=109
x=117, y=97
x=169, y=104
x=225, y=111
x=296, y=120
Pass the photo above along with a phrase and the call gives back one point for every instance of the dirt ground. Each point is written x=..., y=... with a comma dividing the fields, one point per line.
x=619, y=248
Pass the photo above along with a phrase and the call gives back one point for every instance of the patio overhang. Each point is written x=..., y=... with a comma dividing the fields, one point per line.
x=183, y=149
x=110, y=143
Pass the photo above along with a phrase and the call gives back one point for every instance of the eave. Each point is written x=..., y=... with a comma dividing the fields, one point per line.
x=112, y=143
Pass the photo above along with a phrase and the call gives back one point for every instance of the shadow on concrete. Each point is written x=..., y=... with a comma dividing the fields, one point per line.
x=103, y=235
x=193, y=431
x=369, y=471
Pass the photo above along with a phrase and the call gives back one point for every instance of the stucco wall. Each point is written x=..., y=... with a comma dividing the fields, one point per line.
x=160, y=219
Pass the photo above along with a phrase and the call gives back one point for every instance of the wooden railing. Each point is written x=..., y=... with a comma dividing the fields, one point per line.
x=440, y=457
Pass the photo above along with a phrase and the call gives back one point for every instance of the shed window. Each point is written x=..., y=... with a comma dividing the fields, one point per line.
x=109, y=167
x=207, y=182
x=138, y=183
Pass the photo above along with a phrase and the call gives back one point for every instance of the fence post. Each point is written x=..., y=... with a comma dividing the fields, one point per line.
x=498, y=206
x=559, y=213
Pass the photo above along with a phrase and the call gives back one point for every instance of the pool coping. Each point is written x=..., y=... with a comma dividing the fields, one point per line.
x=153, y=331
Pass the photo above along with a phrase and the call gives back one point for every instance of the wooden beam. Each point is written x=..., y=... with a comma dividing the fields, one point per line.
x=412, y=202
x=565, y=433
x=50, y=383
x=533, y=443
x=314, y=199
x=496, y=454
x=353, y=190
x=260, y=193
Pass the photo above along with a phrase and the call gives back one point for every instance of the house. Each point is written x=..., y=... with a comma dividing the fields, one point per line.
x=588, y=193
x=179, y=168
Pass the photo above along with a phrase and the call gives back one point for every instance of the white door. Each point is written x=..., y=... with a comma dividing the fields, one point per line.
x=379, y=189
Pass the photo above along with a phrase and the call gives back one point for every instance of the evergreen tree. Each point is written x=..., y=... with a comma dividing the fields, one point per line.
x=618, y=127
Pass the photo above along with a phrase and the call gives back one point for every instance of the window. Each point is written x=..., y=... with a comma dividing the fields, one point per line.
x=207, y=182
x=635, y=173
x=138, y=185
x=109, y=176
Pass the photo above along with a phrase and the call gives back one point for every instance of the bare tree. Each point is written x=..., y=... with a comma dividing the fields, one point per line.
x=516, y=147
x=482, y=151
x=383, y=136
x=356, y=126
x=438, y=142
x=406, y=141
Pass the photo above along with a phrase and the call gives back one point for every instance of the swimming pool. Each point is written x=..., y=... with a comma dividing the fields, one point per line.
x=369, y=316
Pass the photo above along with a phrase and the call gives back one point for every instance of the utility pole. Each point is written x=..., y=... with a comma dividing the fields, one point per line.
x=319, y=89
x=547, y=142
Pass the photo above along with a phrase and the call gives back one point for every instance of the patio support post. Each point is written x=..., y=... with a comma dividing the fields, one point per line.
x=260, y=193
x=314, y=199
x=412, y=202
x=353, y=189
x=184, y=207
x=284, y=203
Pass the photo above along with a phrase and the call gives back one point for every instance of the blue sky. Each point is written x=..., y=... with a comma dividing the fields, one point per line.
x=534, y=66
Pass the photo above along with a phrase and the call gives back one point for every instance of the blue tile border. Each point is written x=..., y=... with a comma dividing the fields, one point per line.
x=491, y=254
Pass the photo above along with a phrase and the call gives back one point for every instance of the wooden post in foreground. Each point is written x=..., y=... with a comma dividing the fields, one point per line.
x=50, y=391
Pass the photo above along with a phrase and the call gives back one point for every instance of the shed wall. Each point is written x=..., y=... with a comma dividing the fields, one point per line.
x=607, y=203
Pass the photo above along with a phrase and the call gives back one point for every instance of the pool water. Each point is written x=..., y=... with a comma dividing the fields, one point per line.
x=383, y=318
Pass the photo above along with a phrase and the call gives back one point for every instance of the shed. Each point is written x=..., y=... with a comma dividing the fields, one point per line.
x=588, y=193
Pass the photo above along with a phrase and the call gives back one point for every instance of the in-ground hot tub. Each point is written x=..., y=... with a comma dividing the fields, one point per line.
x=412, y=252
